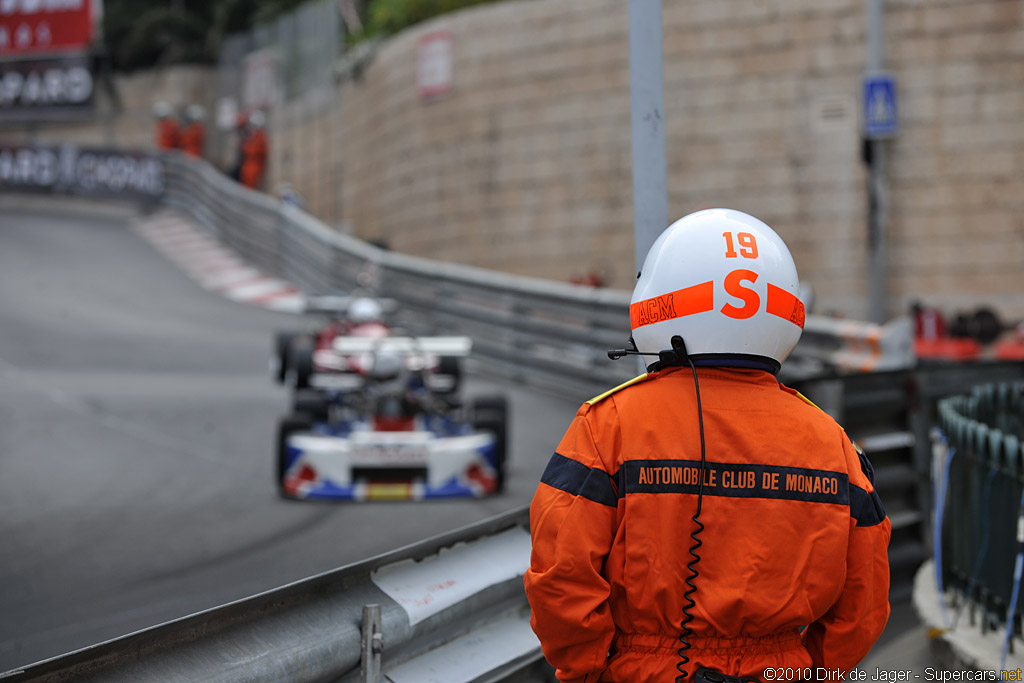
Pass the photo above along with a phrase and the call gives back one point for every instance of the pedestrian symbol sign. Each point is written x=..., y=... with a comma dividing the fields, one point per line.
x=880, y=113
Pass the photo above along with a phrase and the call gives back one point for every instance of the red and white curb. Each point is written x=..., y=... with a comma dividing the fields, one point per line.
x=214, y=266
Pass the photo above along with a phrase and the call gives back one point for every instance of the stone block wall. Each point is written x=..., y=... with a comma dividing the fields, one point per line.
x=525, y=166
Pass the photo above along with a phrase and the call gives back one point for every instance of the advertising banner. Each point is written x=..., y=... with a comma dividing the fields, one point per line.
x=34, y=27
x=46, y=88
x=83, y=171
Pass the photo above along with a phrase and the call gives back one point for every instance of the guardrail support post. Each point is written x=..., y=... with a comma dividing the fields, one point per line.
x=372, y=645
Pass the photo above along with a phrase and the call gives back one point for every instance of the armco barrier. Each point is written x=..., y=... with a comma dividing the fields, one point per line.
x=451, y=609
x=532, y=330
x=537, y=331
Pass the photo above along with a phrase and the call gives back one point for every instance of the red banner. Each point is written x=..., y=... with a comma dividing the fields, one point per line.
x=29, y=27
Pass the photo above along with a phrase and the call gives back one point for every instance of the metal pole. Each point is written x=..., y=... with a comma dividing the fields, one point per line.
x=647, y=101
x=647, y=107
x=372, y=645
x=878, y=185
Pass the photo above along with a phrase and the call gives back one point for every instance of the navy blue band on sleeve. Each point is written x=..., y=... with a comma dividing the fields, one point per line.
x=577, y=479
x=866, y=507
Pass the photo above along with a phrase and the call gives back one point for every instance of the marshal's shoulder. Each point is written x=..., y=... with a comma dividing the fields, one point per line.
x=636, y=380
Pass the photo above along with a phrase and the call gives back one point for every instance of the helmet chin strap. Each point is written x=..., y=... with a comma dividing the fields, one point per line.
x=678, y=355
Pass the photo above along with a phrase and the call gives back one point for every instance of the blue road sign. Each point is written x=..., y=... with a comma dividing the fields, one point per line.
x=880, y=112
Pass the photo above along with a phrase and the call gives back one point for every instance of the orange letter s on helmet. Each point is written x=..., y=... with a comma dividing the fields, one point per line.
x=751, y=301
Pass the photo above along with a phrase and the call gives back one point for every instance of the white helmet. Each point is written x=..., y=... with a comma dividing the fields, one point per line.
x=195, y=112
x=726, y=283
x=365, y=310
x=162, y=110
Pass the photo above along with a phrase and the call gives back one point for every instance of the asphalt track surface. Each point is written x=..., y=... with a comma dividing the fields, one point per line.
x=136, y=427
x=137, y=419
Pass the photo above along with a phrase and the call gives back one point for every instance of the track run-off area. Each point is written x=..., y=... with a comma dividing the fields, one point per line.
x=137, y=421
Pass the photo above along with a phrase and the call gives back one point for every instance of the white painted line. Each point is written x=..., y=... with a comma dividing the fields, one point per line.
x=292, y=304
x=256, y=289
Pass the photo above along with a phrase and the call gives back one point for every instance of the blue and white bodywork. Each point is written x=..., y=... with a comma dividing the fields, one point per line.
x=395, y=437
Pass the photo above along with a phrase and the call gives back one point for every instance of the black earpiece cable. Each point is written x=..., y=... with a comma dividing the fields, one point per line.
x=680, y=349
x=667, y=357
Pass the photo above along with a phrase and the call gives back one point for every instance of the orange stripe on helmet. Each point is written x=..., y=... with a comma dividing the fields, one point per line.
x=682, y=302
x=785, y=305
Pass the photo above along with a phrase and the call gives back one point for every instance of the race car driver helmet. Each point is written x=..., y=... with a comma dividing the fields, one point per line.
x=364, y=310
x=726, y=283
x=386, y=365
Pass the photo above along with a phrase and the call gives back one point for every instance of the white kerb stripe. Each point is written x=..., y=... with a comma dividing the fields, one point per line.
x=257, y=289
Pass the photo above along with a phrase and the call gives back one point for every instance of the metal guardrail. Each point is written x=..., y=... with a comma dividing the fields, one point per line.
x=530, y=330
x=415, y=614
x=980, y=476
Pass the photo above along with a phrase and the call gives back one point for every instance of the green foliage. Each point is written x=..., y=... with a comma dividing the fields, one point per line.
x=162, y=35
x=144, y=33
x=386, y=17
x=268, y=10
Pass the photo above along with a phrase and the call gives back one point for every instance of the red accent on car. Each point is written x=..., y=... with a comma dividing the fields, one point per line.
x=484, y=478
x=394, y=424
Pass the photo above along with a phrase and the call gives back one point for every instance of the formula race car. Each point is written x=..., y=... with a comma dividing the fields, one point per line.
x=305, y=358
x=396, y=435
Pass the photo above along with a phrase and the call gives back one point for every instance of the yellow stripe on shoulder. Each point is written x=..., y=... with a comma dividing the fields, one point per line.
x=805, y=399
x=635, y=380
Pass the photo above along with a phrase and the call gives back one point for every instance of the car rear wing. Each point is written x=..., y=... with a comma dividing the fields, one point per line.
x=436, y=346
x=337, y=304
